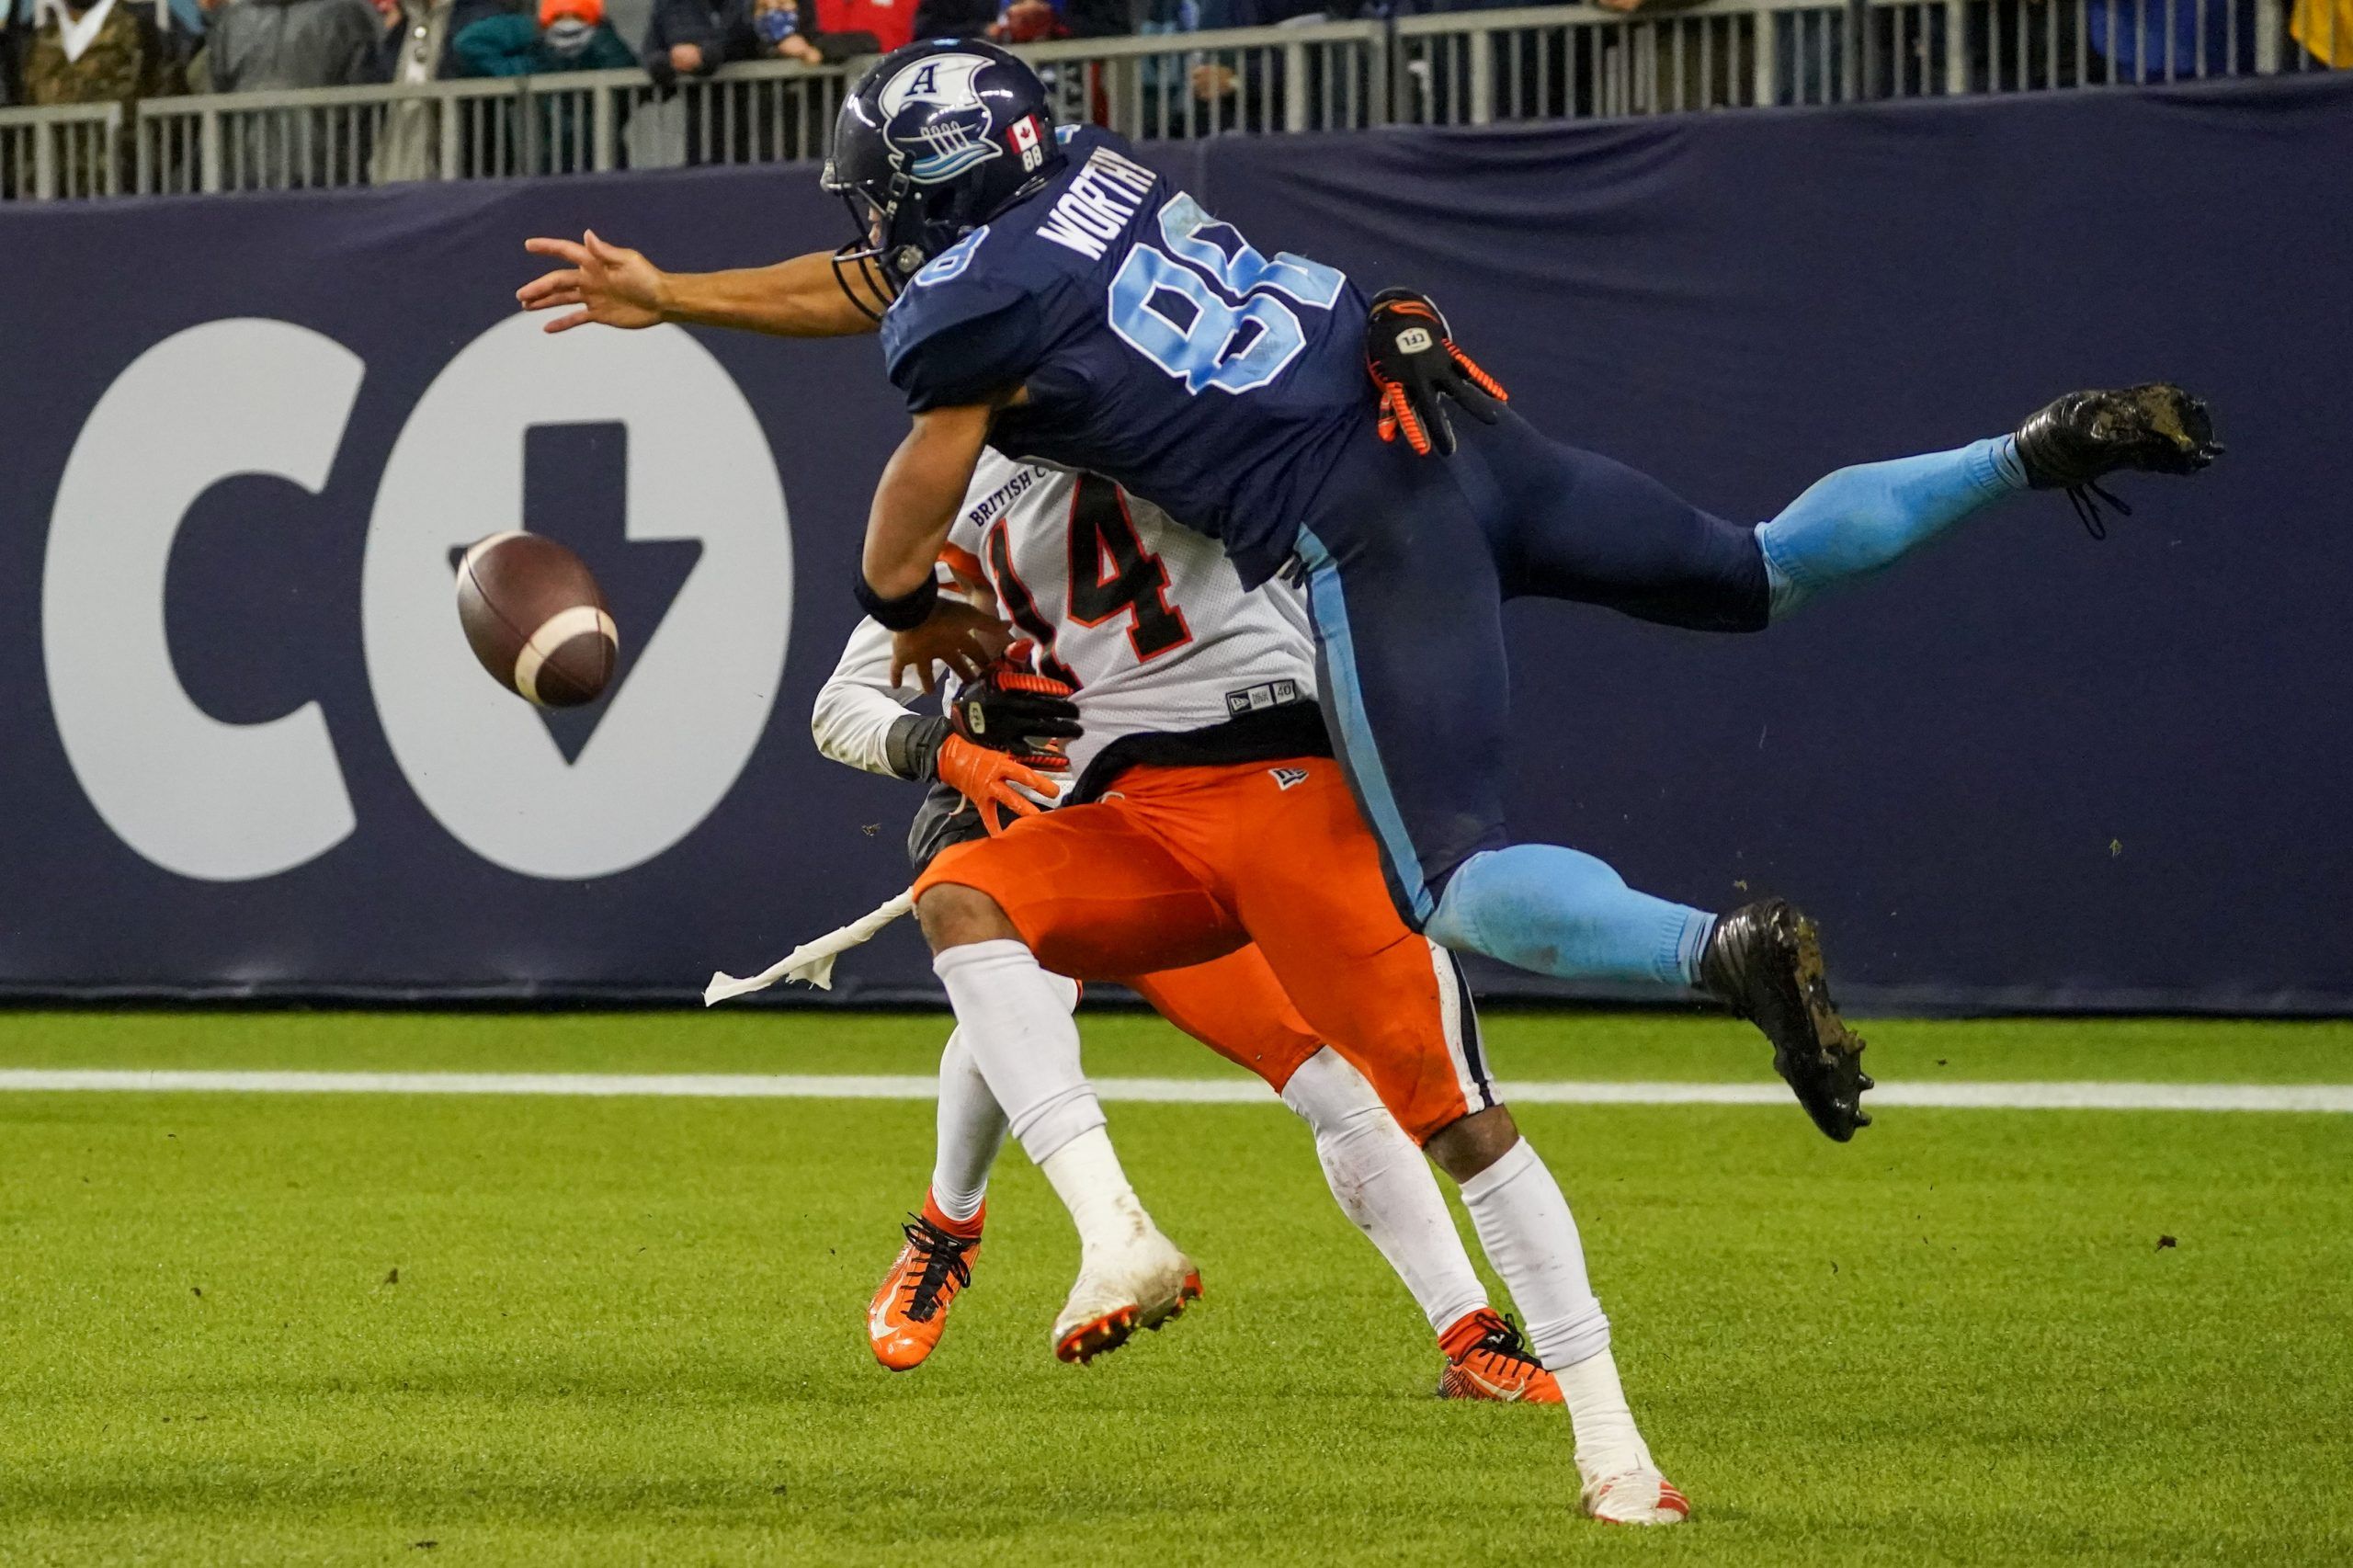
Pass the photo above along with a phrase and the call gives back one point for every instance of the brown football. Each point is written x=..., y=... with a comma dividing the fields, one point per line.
x=536, y=620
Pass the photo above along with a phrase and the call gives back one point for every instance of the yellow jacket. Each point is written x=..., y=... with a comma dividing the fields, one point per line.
x=2325, y=28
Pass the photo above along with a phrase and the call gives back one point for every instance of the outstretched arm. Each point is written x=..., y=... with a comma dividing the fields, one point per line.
x=617, y=287
x=914, y=506
x=922, y=487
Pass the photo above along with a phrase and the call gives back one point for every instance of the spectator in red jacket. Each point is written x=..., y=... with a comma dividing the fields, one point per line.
x=1023, y=21
x=891, y=22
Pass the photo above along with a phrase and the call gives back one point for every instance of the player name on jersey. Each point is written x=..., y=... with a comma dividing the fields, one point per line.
x=1097, y=204
x=980, y=516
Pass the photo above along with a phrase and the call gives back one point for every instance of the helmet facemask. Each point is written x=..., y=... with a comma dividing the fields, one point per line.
x=864, y=254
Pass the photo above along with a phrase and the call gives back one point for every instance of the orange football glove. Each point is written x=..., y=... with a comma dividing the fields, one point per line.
x=992, y=782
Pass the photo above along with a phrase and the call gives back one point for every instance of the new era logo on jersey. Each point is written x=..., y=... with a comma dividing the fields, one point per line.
x=1266, y=694
x=1288, y=777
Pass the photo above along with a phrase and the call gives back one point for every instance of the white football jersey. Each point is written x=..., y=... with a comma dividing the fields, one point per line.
x=1146, y=617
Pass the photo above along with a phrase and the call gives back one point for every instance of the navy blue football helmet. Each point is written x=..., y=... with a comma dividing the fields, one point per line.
x=938, y=138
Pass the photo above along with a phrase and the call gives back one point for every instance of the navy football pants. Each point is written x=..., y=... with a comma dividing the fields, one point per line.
x=1408, y=562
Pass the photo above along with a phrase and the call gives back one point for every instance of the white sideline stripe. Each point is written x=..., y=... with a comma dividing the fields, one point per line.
x=2329, y=1098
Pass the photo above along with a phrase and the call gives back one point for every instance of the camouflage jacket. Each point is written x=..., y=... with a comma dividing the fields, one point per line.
x=126, y=60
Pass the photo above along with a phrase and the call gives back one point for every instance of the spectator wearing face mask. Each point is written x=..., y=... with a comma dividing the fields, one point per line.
x=567, y=35
x=779, y=35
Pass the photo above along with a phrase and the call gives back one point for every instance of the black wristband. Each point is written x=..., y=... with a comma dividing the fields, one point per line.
x=904, y=613
x=912, y=745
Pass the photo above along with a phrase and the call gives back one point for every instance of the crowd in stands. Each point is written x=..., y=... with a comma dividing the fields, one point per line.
x=59, y=51
x=82, y=51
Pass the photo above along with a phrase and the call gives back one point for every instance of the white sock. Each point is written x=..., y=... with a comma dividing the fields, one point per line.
x=1016, y=1026
x=971, y=1131
x=1086, y=1176
x=1525, y=1225
x=971, y=1124
x=1609, y=1443
x=1382, y=1183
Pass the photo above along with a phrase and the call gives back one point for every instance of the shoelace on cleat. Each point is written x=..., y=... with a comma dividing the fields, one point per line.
x=2087, y=510
x=943, y=1259
x=1505, y=1342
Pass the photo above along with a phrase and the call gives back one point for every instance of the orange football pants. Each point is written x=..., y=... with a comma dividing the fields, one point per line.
x=1246, y=902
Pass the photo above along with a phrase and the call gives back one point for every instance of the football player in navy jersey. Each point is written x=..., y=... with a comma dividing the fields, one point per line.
x=1040, y=291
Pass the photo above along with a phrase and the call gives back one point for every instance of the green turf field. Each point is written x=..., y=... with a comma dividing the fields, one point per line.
x=628, y=1330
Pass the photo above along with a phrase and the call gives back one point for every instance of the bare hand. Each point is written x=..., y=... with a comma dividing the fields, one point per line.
x=617, y=286
x=1026, y=21
x=957, y=635
x=1218, y=81
x=795, y=47
x=685, y=59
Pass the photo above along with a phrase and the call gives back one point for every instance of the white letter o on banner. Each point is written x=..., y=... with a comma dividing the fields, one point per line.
x=697, y=696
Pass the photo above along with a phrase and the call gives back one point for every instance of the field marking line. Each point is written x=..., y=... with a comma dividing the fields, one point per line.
x=2337, y=1098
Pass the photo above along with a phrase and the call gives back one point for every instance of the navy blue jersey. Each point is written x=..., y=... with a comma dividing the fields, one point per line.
x=1159, y=348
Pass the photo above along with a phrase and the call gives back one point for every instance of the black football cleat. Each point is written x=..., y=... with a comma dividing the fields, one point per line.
x=2075, y=441
x=1764, y=959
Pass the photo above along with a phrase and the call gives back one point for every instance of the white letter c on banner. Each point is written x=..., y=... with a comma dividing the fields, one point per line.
x=204, y=798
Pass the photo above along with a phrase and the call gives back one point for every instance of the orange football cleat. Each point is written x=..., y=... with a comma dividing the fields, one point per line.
x=1486, y=1358
x=909, y=1312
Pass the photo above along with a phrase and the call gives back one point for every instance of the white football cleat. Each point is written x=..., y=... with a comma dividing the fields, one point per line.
x=1641, y=1496
x=1142, y=1284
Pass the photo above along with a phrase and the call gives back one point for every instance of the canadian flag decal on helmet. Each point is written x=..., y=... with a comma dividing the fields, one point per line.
x=1025, y=142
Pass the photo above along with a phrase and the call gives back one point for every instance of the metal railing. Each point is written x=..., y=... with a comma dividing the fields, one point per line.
x=1453, y=68
x=1318, y=76
x=575, y=124
x=70, y=150
x=1548, y=63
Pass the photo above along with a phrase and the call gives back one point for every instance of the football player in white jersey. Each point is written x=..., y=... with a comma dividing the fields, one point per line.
x=1168, y=657
x=1177, y=849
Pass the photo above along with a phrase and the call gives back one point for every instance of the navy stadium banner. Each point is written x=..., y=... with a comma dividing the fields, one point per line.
x=245, y=752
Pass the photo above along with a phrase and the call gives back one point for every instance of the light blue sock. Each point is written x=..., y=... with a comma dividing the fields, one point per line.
x=1562, y=913
x=1857, y=520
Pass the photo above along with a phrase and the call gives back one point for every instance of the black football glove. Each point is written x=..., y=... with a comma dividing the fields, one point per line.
x=1027, y=717
x=1414, y=362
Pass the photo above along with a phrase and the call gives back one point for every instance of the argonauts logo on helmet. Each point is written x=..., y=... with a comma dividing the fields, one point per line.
x=934, y=118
